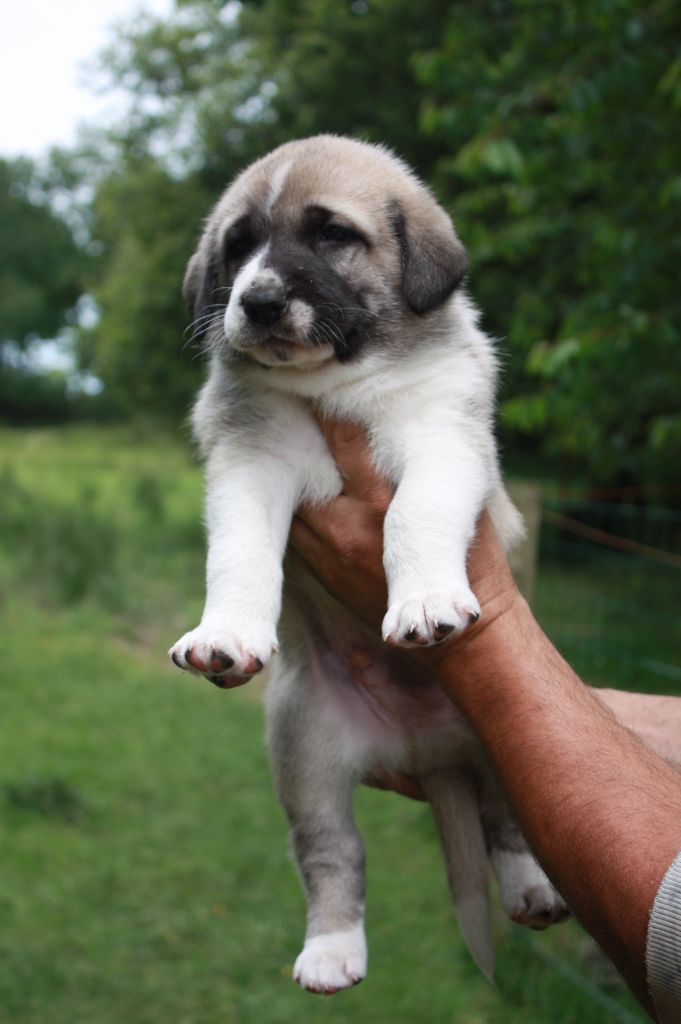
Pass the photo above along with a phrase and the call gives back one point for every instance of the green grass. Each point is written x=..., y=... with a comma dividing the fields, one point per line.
x=145, y=870
x=614, y=616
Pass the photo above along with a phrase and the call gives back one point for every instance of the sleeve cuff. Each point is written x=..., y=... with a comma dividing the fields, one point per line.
x=663, y=947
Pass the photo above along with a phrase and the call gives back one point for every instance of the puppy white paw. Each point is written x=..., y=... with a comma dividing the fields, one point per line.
x=422, y=621
x=331, y=962
x=223, y=656
x=541, y=907
x=526, y=893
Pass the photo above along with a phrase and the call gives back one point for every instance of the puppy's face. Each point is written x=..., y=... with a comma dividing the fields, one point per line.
x=303, y=284
x=318, y=251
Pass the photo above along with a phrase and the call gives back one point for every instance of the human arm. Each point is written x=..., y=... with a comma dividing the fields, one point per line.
x=601, y=812
x=656, y=719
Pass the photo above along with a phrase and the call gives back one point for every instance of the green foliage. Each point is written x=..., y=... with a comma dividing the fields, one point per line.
x=42, y=272
x=219, y=84
x=40, y=265
x=28, y=397
x=563, y=125
x=147, y=223
x=347, y=68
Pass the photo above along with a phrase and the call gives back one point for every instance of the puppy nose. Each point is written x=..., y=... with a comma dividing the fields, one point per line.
x=264, y=305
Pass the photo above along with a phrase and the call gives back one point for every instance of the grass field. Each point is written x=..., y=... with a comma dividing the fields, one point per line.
x=145, y=875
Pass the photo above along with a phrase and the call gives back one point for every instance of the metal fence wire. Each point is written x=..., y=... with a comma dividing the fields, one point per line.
x=608, y=589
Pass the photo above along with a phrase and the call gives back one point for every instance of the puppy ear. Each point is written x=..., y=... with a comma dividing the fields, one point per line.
x=433, y=258
x=199, y=285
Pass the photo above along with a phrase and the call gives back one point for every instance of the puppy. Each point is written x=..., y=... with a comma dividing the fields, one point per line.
x=328, y=278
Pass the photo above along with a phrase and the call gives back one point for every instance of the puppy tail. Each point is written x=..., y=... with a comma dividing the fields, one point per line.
x=457, y=815
x=508, y=522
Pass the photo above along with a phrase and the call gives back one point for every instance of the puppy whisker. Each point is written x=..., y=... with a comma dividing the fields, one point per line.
x=202, y=328
x=204, y=318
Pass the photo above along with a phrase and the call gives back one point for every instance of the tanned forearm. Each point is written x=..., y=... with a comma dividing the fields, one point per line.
x=601, y=792
x=655, y=719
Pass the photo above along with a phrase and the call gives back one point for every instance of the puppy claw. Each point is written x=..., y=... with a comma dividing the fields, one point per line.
x=414, y=637
x=442, y=630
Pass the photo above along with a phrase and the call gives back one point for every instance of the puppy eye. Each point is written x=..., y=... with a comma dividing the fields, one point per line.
x=339, y=234
x=240, y=240
x=238, y=247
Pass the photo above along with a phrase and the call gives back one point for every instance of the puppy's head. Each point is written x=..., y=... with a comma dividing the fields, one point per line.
x=317, y=251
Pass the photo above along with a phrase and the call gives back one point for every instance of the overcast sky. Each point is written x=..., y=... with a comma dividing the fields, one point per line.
x=43, y=46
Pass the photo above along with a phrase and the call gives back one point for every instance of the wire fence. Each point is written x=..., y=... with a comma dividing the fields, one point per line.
x=608, y=589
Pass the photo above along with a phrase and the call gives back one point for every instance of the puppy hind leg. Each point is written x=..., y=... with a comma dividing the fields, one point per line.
x=455, y=807
x=331, y=861
x=526, y=894
x=316, y=791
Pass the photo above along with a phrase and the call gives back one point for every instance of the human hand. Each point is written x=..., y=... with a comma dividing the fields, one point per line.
x=342, y=542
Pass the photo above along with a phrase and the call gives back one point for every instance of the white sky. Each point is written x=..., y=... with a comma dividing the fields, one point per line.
x=43, y=46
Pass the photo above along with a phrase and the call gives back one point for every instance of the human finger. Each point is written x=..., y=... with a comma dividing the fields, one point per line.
x=308, y=539
x=323, y=518
x=348, y=563
x=351, y=452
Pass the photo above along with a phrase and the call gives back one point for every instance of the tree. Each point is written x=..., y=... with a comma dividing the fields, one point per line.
x=561, y=126
x=41, y=278
x=41, y=267
x=146, y=223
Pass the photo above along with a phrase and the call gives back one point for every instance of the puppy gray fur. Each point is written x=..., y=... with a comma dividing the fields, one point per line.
x=328, y=278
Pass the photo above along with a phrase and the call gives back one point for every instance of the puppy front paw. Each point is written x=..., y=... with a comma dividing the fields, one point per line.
x=422, y=621
x=331, y=962
x=222, y=656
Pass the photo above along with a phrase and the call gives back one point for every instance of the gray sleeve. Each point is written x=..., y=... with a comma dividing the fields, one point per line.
x=663, y=947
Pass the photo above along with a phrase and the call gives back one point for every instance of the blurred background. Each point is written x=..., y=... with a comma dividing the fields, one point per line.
x=145, y=874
